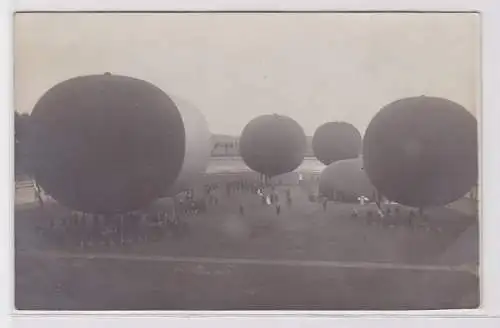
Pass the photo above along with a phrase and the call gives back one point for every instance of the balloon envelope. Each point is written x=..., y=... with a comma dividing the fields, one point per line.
x=198, y=144
x=335, y=141
x=422, y=151
x=346, y=177
x=106, y=143
x=273, y=144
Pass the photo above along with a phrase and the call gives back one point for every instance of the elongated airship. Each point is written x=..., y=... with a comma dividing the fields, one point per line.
x=106, y=143
x=197, y=147
x=273, y=144
x=422, y=151
x=345, y=180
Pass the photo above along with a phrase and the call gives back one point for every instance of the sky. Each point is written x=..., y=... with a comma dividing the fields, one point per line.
x=234, y=67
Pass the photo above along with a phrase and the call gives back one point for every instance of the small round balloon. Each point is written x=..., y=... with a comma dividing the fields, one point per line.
x=106, y=143
x=335, y=141
x=422, y=151
x=273, y=144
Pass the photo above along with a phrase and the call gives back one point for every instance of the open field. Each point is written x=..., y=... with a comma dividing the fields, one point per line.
x=120, y=284
x=304, y=259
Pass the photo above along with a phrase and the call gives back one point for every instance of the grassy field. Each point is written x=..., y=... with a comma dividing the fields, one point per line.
x=105, y=284
x=303, y=259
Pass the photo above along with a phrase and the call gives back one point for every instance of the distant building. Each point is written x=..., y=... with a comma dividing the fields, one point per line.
x=228, y=146
x=225, y=146
x=287, y=179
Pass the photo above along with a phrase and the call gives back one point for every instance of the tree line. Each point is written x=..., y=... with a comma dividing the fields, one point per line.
x=21, y=127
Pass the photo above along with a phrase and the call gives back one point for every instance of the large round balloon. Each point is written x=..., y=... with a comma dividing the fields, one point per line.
x=106, y=143
x=273, y=144
x=335, y=141
x=422, y=151
x=346, y=178
x=198, y=144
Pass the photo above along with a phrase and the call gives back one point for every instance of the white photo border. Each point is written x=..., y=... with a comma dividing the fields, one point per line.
x=490, y=175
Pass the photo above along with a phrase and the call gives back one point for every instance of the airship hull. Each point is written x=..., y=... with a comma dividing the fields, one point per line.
x=345, y=179
x=197, y=145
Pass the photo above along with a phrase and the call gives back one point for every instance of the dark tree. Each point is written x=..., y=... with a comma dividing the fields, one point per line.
x=21, y=131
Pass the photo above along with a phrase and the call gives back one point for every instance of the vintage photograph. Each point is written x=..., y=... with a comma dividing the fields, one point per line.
x=247, y=161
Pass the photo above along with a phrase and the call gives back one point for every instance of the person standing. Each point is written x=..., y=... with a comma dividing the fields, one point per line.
x=411, y=217
x=38, y=193
x=378, y=202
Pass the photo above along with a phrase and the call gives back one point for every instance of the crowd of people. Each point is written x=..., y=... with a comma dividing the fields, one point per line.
x=90, y=230
x=384, y=214
x=86, y=230
x=266, y=191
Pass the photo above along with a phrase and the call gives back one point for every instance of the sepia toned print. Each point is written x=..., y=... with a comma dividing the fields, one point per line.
x=246, y=161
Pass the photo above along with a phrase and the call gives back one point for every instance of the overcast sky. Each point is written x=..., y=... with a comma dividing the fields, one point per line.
x=312, y=67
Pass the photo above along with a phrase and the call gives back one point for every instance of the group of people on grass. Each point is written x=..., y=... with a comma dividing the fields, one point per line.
x=87, y=230
x=92, y=230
